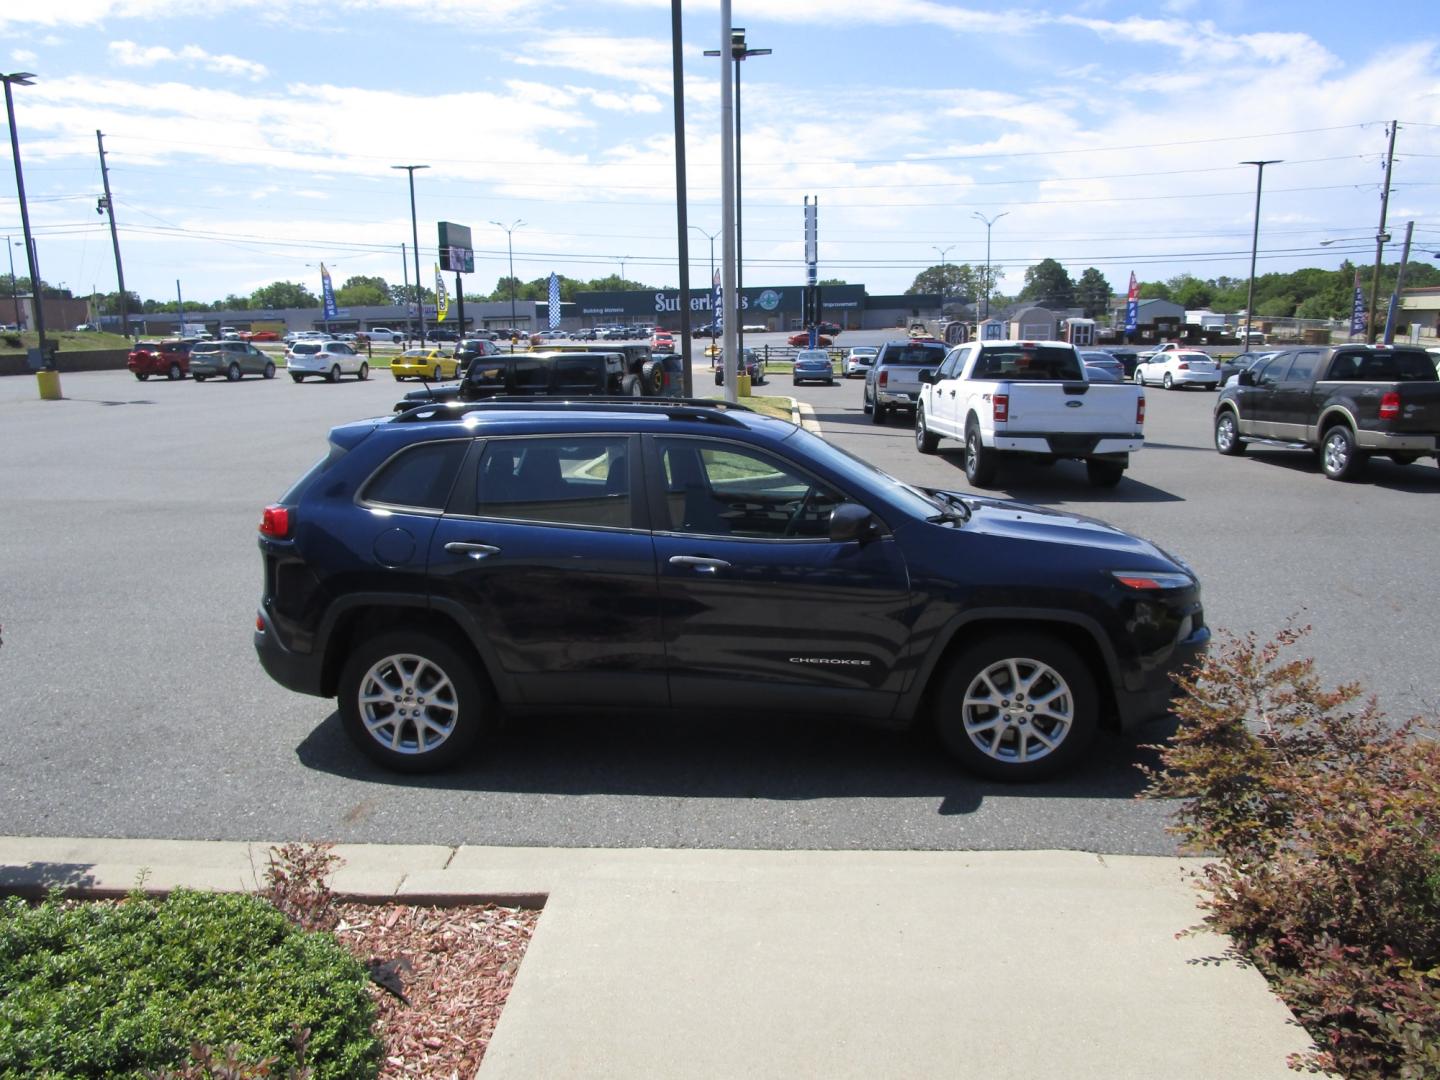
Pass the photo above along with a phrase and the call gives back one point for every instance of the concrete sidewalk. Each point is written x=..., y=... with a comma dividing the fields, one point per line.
x=685, y=963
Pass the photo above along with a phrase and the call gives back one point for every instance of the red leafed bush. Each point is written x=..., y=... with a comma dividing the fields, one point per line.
x=1326, y=817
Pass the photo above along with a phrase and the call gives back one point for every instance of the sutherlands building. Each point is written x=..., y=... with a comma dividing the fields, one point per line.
x=770, y=307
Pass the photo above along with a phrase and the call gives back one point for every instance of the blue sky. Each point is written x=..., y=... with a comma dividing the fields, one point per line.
x=250, y=140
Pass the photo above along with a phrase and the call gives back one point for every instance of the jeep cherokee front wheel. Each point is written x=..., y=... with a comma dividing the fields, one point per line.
x=1017, y=707
x=412, y=702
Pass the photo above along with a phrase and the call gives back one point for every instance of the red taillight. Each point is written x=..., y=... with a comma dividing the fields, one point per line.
x=1183, y=366
x=1001, y=403
x=275, y=522
x=1140, y=411
x=1390, y=406
x=883, y=378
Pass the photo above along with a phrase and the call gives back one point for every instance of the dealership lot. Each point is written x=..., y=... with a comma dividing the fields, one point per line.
x=135, y=706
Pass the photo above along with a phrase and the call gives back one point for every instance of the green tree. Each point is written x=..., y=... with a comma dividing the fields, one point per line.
x=283, y=294
x=1154, y=290
x=1092, y=293
x=832, y=281
x=1190, y=292
x=109, y=303
x=363, y=292
x=955, y=281
x=1047, y=283
x=235, y=303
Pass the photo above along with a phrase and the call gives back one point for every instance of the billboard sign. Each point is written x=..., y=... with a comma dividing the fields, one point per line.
x=456, y=253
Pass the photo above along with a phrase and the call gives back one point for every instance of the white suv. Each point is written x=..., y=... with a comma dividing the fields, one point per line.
x=327, y=359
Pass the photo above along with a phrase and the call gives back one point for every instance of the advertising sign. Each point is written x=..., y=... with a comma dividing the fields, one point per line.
x=1132, y=304
x=456, y=254
x=327, y=292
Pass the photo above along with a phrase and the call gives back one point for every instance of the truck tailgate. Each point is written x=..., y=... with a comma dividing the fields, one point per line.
x=1072, y=408
x=1419, y=409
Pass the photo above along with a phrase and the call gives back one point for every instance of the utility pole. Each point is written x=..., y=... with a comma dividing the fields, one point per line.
x=1380, y=236
x=1399, y=282
x=1254, y=244
x=730, y=309
x=108, y=205
x=681, y=211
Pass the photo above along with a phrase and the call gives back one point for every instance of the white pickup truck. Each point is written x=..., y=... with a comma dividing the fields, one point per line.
x=1032, y=398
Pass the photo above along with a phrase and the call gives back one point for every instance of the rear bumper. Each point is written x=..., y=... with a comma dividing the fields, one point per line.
x=1386, y=441
x=905, y=399
x=301, y=672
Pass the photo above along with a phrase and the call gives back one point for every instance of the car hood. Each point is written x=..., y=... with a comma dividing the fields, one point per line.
x=1022, y=521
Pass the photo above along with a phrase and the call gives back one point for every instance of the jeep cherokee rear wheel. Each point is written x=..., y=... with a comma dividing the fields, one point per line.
x=1017, y=707
x=412, y=702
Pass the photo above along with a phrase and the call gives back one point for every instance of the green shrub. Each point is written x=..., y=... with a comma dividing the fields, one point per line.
x=12, y=340
x=1327, y=818
x=116, y=990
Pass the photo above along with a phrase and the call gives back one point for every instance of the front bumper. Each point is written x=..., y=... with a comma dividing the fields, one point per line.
x=1144, y=692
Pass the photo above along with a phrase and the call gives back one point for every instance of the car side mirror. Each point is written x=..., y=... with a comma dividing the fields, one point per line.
x=929, y=376
x=1246, y=378
x=851, y=521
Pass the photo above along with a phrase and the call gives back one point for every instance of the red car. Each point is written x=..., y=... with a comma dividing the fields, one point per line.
x=168, y=358
x=264, y=335
x=802, y=340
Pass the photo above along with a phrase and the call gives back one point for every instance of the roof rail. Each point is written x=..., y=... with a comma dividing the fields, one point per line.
x=713, y=410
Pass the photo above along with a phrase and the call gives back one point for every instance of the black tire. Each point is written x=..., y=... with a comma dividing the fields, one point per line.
x=1404, y=459
x=651, y=378
x=434, y=375
x=364, y=371
x=233, y=372
x=878, y=412
x=1167, y=382
x=1137, y=378
x=412, y=662
x=297, y=378
x=333, y=375
x=1227, y=434
x=142, y=375
x=865, y=406
x=989, y=739
x=981, y=462
x=630, y=386
x=925, y=441
x=174, y=373
x=1104, y=474
x=1339, y=456
x=269, y=371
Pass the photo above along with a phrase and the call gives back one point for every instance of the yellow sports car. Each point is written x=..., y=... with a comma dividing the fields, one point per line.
x=424, y=363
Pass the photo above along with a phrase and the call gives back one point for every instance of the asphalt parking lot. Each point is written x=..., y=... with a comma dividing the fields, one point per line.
x=134, y=705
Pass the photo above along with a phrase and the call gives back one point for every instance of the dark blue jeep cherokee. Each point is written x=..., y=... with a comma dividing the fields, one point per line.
x=443, y=566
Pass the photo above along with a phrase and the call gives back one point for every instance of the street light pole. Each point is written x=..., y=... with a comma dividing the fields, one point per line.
x=711, y=237
x=510, y=250
x=988, y=222
x=943, y=252
x=738, y=51
x=415, y=239
x=1254, y=243
x=25, y=78
x=14, y=290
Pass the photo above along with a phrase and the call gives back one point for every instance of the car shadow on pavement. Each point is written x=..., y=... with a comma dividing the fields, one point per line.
x=757, y=757
x=1423, y=477
x=1062, y=482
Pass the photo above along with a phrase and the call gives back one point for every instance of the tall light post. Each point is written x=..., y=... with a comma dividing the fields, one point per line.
x=1255, y=243
x=988, y=222
x=10, y=246
x=943, y=252
x=25, y=78
x=711, y=237
x=510, y=250
x=738, y=51
x=415, y=239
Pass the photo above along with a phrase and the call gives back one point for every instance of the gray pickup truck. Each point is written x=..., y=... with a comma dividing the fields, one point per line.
x=893, y=381
x=1345, y=402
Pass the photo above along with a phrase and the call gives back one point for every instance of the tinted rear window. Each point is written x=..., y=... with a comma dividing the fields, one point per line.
x=303, y=347
x=1036, y=362
x=1383, y=367
x=420, y=476
x=922, y=355
x=147, y=346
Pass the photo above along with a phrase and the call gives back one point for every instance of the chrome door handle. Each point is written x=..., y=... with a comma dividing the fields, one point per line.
x=702, y=565
x=475, y=551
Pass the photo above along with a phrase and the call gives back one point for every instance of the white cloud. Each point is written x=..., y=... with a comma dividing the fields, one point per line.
x=24, y=56
x=129, y=54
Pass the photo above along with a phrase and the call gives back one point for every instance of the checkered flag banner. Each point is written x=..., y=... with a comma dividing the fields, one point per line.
x=554, y=301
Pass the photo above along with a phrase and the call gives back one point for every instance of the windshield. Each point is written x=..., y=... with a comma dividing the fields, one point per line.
x=866, y=476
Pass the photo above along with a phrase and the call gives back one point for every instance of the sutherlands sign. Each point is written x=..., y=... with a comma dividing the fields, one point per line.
x=667, y=301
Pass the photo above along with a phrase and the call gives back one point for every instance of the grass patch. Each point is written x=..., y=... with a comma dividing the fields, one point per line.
x=71, y=341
